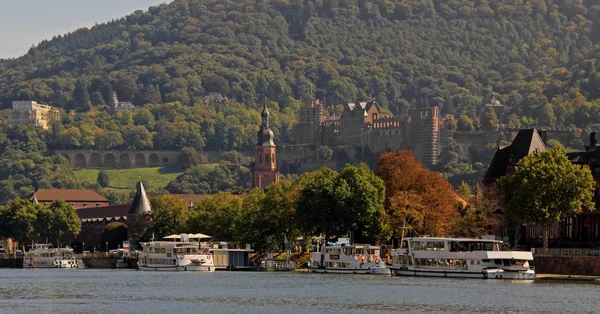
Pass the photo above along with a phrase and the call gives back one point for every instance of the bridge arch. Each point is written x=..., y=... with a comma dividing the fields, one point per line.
x=140, y=160
x=154, y=160
x=110, y=161
x=124, y=161
x=67, y=157
x=80, y=161
x=95, y=160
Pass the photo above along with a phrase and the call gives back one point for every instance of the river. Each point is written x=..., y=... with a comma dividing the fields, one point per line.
x=128, y=291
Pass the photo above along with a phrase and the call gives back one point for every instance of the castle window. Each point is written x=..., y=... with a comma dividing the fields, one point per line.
x=260, y=158
x=268, y=159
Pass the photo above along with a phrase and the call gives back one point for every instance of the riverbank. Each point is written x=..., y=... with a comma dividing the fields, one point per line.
x=568, y=278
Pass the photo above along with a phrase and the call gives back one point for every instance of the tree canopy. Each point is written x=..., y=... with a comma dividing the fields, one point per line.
x=546, y=188
x=336, y=204
x=417, y=197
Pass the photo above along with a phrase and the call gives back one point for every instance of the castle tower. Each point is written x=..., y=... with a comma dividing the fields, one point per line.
x=310, y=120
x=265, y=170
x=424, y=134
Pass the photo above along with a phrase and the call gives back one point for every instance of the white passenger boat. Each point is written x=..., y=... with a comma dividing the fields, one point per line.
x=45, y=256
x=178, y=253
x=470, y=258
x=345, y=258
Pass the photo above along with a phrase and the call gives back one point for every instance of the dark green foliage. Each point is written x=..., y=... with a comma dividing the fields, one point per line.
x=198, y=180
x=22, y=220
x=338, y=203
x=421, y=53
x=25, y=166
x=103, y=179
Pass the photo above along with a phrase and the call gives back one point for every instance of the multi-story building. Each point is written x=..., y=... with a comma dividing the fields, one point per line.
x=363, y=125
x=32, y=113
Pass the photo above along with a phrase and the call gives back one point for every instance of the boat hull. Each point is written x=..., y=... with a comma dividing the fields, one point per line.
x=365, y=271
x=176, y=268
x=496, y=274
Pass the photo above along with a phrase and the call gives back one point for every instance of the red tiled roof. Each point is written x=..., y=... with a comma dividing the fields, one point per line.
x=103, y=212
x=68, y=195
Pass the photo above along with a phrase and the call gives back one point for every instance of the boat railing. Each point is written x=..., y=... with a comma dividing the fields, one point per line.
x=563, y=252
x=278, y=265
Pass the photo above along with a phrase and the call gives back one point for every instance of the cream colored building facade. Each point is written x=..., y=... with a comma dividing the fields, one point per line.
x=31, y=113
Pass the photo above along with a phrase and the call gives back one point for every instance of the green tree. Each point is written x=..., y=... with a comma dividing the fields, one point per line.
x=103, y=179
x=18, y=219
x=489, y=119
x=65, y=224
x=138, y=137
x=217, y=216
x=546, y=188
x=81, y=97
x=335, y=204
x=169, y=216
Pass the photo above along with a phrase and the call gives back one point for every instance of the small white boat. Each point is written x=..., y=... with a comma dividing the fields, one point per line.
x=180, y=254
x=45, y=256
x=460, y=258
x=344, y=258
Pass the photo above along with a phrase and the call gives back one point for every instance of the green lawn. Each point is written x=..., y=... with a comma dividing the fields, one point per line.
x=156, y=177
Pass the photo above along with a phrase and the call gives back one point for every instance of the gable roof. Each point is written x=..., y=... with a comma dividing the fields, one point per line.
x=103, y=212
x=526, y=142
x=68, y=195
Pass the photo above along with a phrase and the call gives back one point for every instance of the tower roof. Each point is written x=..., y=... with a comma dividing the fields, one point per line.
x=526, y=142
x=265, y=135
x=140, y=204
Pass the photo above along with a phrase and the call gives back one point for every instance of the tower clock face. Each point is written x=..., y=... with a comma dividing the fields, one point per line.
x=266, y=150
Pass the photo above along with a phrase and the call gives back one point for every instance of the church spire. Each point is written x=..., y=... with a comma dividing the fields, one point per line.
x=265, y=135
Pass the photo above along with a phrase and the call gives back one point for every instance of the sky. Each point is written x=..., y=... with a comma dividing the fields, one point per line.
x=24, y=23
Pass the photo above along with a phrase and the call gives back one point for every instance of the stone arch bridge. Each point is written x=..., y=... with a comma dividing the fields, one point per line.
x=120, y=159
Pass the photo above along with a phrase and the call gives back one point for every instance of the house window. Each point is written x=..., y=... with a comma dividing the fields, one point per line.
x=551, y=231
x=532, y=230
x=569, y=231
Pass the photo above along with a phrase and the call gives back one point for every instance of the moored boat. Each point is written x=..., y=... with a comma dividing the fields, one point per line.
x=180, y=254
x=345, y=258
x=461, y=258
x=45, y=256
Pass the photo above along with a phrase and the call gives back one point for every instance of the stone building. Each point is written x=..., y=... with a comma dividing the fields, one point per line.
x=526, y=142
x=134, y=216
x=362, y=125
x=579, y=231
x=32, y=113
x=264, y=170
x=424, y=134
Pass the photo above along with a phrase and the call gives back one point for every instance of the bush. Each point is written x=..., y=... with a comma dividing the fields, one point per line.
x=103, y=179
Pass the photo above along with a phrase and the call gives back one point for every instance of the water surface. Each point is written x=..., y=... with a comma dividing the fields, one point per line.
x=127, y=291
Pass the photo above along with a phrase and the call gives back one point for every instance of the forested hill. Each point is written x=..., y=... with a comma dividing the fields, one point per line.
x=539, y=56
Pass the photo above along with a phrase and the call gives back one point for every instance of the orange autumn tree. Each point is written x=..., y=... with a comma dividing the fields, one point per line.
x=416, y=196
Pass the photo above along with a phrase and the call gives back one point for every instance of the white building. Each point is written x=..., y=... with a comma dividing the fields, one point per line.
x=31, y=113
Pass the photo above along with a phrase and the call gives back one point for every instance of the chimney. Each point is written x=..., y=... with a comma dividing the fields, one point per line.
x=544, y=136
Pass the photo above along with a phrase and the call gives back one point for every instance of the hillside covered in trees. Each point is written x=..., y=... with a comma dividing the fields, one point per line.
x=539, y=56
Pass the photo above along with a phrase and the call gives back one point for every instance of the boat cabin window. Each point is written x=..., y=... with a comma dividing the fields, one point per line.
x=435, y=246
x=404, y=244
x=428, y=245
x=473, y=246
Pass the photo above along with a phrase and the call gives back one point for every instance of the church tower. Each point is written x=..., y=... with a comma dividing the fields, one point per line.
x=265, y=170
